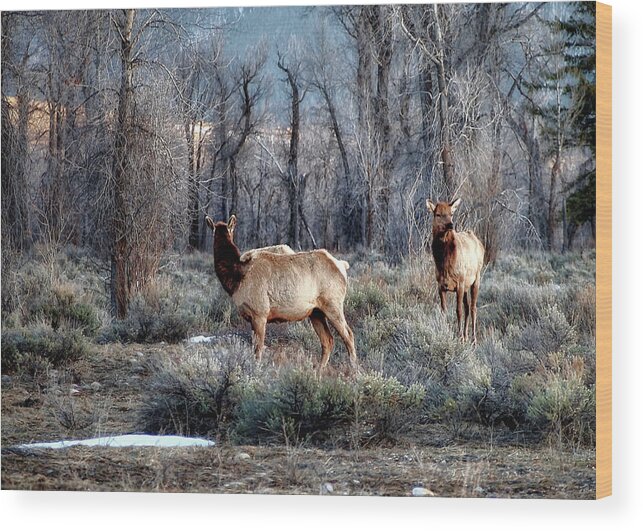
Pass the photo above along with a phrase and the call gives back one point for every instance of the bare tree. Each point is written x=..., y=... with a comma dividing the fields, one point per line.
x=196, y=96
x=293, y=68
x=322, y=75
x=15, y=121
x=141, y=172
x=124, y=127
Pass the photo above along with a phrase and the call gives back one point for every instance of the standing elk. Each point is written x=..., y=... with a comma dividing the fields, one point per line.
x=458, y=263
x=270, y=287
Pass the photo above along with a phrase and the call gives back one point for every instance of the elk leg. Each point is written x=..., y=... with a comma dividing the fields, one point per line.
x=443, y=300
x=465, y=301
x=325, y=337
x=338, y=321
x=475, y=287
x=459, y=310
x=259, y=329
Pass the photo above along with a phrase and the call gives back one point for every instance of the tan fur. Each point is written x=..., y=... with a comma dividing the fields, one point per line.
x=459, y=257
x=270, y=287
x=290, y=287
x=275, y=249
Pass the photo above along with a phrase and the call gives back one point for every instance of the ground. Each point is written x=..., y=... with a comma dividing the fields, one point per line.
x=32, y=412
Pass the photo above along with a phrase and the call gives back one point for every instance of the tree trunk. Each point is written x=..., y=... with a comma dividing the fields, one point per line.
x=294, y=192
x=209, y=192
x=193, y=187
x=15, y=219
x=536, y=194
x=364, y=67
x=383, y=35
x=344, y=190
x=446, y=149
x=551, y=216
x=426, y=106
x=120, y=172
x=491, y=228
x=234, y=186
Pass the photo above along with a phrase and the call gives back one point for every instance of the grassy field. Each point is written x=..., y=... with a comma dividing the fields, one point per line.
x=513, y=416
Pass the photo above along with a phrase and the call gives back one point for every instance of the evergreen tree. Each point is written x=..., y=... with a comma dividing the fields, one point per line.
x=579, y=31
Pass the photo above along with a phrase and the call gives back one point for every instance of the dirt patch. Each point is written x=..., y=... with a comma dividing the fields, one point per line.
x=461, y=472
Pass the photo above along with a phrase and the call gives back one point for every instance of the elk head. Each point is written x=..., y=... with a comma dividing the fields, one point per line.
x=224, y=229
x=443, y=214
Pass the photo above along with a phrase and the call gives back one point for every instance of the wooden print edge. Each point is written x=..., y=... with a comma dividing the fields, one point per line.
x=603, y=250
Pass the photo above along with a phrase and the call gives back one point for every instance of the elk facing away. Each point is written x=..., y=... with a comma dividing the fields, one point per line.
x=270, y=287
x=458, y=263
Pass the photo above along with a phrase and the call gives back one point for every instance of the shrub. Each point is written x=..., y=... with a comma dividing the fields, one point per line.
x=198, y=393
x=551, y=332
x=220, y=310
x=300, y=407
x=432, y=342
x=388, y=406
x=295, y=407
x=580, y=307
x=33, y=350
x=374, y=337
x=399, y=341
x=364, y=299
x=62, y=309
x=148, y=324
x=508, y=302
x=214, y=389
x=484, y=380
x=64, y=291
x=564, y=408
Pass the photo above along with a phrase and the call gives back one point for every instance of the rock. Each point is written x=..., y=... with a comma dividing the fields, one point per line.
x=6, y=380
x=95, y=386
x=326, y=488
x=73, y=390
x=242, y=456
x=421, y=491
x=479, y=490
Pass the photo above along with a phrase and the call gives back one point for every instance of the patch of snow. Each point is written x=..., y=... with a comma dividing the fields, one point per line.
x=201, y=339
x=119, y=441
x=421, y=491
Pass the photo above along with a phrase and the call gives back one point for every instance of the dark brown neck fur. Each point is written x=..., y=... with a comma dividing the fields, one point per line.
x=227, y=264
x=443, y=247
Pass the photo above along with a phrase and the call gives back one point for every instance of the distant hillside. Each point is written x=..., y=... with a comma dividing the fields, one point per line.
x=276, y=24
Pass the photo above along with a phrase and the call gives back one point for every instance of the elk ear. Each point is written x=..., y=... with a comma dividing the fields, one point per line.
x=455, y=204
x=232, y=224
x=209, y=221
x=430, y=205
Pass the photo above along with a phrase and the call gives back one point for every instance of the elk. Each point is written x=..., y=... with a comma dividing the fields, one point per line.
x=270, y=287
x=458, y=263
